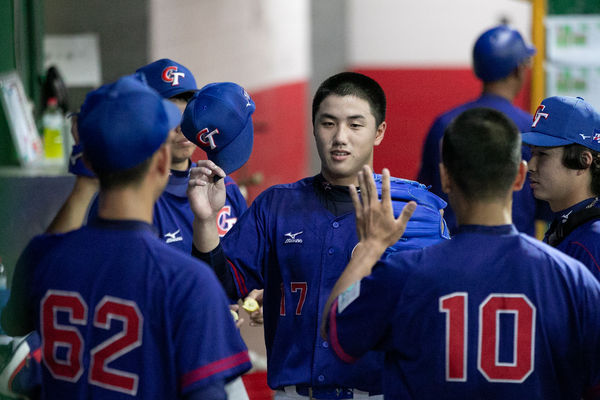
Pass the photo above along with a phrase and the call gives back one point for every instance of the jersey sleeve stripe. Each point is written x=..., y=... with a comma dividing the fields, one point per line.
x=588, y=252
x=333, y=337
x=241, y=284
x=214, y=368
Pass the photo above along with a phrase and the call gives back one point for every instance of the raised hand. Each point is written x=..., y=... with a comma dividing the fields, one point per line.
x=206, y=196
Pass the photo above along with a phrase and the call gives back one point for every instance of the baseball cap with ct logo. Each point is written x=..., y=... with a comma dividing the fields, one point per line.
x=122, y=124
x=218, y=119
x=562, y=120
x=167, y=77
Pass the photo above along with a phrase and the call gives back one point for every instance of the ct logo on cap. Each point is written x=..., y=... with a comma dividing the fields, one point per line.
x=170, y=75
x=205, y=138
x=538, y=115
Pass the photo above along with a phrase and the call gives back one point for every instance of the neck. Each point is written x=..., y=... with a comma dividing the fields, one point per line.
x=488, y=213
x=127, y=203
x=501, y=88
x=180, y=165
x=573, y=198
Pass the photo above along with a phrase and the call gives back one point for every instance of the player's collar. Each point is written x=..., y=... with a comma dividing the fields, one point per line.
x=563, y=215
x=122, y=224
x=490, y=230
x=178, y=181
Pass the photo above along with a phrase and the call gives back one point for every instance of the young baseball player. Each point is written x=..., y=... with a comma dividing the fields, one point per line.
x=172, y=214
x=490, y=314
x=117, y=309
x=565, y=171
x=500, y=60
x=295, y=239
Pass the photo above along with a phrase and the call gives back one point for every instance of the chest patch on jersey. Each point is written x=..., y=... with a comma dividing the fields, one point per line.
x=348, y=296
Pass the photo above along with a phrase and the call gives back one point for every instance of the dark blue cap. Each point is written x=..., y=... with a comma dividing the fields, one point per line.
x=498, y=51
x=562, y=120
x=167, y=77
x=121, y=124
x=218, y=119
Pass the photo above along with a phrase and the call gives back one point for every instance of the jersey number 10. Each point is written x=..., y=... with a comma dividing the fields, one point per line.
x=455, y=307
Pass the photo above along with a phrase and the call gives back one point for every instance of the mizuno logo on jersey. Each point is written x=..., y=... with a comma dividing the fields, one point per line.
x=171, y=75
x=565, y=217
x=171, y=237
x=291, y=237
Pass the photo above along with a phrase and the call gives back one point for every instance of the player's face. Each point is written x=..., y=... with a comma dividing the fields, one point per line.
x=181, y=148
x=345, y=132
x=550, y=180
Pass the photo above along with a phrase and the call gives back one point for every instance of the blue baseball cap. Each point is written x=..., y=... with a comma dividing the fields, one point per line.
x=121, y=124
x=218, y=119
x=562, y=120
x=498, y=51
x=167, y=77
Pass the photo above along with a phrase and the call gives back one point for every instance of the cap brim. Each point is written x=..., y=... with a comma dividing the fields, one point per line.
x=173, y=114
x=237, y=152
x=543, y=140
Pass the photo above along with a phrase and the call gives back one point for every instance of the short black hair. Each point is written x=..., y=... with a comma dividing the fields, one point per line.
x=572, y=159
x=481, y=151
x=352, y=84
x=115, y=179
x=185, y=96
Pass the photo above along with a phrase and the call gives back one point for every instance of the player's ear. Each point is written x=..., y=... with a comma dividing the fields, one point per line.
x=380, y=133
x=521, y=176
x=445, y=179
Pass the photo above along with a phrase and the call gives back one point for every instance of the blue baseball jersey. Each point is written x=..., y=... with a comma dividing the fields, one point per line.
x=173, y=216
x=123, y=315
x=490, y=314
x=291, y=245
x=526, y=209
x=583, y=243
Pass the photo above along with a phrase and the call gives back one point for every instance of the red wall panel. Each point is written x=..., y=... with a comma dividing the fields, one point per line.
x=415, y=97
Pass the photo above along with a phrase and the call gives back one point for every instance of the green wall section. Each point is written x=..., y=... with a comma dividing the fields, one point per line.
x=21, y=49
x=559, y=7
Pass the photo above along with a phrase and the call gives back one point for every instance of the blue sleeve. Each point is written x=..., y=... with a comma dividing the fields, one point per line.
x=215, y=391
x=208, y=345
x=589, y=295
x=246, y=246
x=18, y=314
x=361, y=319
x=587, y=253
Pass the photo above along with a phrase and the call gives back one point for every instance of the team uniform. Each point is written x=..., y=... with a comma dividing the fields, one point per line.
x=294, y=241
x=525, y=209
x=173, y=216
x=583, y=243
x=123, y=315
x=490, y=314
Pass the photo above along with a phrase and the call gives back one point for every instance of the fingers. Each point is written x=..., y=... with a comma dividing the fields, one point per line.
x=385, y=187
x=407, y=212
x=206, y=169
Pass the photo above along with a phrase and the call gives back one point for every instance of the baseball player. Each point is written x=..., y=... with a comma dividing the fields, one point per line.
x=490, y=314
x=500, y=60
x=172, y=214
x=295, y=239
x=565, y=171
x=111, y=301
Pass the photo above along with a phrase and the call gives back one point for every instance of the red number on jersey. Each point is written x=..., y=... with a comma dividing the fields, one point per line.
x=301, y=287
x=523, y=340
x=128, y=313
x=455, y=307
x=55, y=336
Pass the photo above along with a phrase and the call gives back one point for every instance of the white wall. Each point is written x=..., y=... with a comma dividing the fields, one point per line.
x=256, y=43
x=392, y=33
